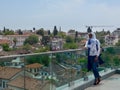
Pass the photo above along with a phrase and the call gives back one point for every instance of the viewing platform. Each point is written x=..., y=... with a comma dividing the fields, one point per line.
x=58, y=70
x=110, y=83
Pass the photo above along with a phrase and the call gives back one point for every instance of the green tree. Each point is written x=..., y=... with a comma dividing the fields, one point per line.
x=108, y=59
x=49, y=32
x=70, y=46
x=118, y=43
x=110, y=50
x=69, y=39
x=61, y=34
x=45, y=40
x=82, y=61
x=55, y=31
x=33, y=39
x=20, y=32
x=8, y=32
x=40, y=32
x=27, y=47
x=76, y=36
x=116, y=60
x=34, y=28
x=42, y=49
x=5, y=47
x=102, y=41
x=42, y=59
x=4, y=29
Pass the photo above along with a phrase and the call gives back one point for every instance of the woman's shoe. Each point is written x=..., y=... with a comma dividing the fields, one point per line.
x=95, y=83
x=98, y=80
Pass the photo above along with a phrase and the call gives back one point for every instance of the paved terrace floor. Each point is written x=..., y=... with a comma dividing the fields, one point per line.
x=111, y=83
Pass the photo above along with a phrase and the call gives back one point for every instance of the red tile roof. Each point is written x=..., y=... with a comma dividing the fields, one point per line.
x=34, y=65
x=8, y=72
x=3, y=41
x=30, y=83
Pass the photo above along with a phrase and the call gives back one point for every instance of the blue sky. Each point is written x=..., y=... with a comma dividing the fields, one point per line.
x=69, y=14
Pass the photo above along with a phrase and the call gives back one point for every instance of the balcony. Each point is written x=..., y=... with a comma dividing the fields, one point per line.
x=57, y=70
x=111, y=83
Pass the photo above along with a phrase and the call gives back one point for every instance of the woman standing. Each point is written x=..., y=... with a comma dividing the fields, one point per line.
x=93, y=46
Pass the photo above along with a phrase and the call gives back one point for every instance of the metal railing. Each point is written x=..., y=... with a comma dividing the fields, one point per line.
x=49, y=70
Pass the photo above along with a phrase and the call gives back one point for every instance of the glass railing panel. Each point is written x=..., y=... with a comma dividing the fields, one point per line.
x=61, y=68
x=111, y=57
x=57, y=68
x=12, y=72
x=51, y=70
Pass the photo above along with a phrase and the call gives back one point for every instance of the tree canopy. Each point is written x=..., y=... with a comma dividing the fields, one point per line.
x=40, y=32
x=33, y=39
x=55, y=31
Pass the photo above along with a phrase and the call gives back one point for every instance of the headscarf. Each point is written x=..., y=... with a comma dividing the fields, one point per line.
x=93, y=35
x=94, y=39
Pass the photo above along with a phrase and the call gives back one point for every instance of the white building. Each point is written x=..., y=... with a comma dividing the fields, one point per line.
x=15, y=63
x=57, y=44
x=116, y=32
x=83, y=35
x=111, y=40
x=20, y=38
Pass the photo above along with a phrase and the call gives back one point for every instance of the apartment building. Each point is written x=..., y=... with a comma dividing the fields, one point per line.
x=111, y=40
x=116, y=32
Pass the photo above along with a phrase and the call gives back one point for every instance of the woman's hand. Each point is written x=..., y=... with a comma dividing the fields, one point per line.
x=96, y=59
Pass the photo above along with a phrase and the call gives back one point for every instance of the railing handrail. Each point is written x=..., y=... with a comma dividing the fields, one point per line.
x=41, y=53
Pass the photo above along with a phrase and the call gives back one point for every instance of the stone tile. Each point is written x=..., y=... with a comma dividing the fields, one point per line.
x=111, y=83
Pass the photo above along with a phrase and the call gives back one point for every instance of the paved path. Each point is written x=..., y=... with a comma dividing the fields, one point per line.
x=111, y=83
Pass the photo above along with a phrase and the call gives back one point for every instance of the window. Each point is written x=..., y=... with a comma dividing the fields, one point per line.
x=45, y=74
x=38, y=69
x=0, y=82
x=35, y=70
x=30, y=70
x=3, y=84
